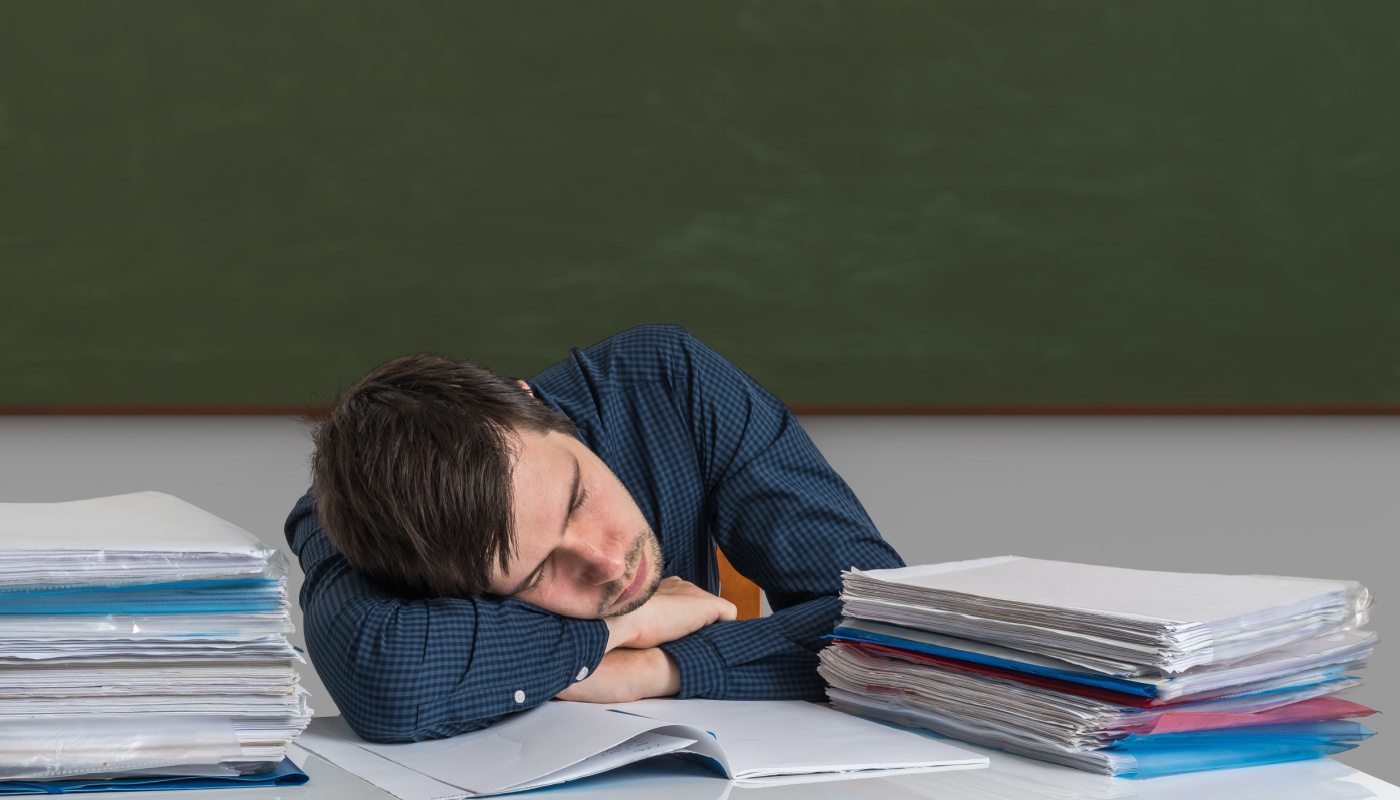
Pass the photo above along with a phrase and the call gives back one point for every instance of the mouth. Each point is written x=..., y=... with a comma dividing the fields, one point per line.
x=635, y=586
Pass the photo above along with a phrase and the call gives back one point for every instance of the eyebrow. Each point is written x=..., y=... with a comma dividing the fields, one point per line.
x=568, y=512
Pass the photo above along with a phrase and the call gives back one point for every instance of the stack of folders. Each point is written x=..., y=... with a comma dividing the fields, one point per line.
x=141, y=636
x=1116, y=671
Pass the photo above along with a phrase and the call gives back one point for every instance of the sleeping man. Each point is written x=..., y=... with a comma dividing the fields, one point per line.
x=475, y=545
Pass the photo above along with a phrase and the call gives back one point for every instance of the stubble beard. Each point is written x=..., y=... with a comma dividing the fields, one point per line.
x=615, y=589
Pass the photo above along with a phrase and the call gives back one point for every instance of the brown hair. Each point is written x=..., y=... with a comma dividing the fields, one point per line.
x=412, y=473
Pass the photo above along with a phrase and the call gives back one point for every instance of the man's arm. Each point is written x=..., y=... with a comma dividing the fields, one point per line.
x=782, y=516
x=639, y=668
x=408, y=670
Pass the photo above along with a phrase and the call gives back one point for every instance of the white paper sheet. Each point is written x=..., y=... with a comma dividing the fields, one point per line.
x=1167, y=596
x=137, y=522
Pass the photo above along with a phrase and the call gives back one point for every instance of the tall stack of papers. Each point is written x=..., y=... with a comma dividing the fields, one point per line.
x=1116, y=671
x=140, y=635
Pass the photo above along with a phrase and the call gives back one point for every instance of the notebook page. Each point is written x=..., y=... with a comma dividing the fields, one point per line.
x=519, y=749
x=772, y=738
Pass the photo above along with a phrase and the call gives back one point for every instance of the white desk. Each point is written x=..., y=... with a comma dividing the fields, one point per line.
x=1008, y=778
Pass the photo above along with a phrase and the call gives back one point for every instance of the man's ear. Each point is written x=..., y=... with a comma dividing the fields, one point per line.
x=526, y=387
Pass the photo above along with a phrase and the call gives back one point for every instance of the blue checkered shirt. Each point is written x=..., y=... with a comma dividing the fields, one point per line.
x=711, y=458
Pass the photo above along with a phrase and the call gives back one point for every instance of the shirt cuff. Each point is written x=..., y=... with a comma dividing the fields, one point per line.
x=702, y=669
x=590, y=643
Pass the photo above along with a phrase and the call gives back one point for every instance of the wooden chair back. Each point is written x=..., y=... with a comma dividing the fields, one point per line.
x=737, y=589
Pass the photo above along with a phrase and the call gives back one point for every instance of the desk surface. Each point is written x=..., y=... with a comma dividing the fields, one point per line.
x=1008, y=778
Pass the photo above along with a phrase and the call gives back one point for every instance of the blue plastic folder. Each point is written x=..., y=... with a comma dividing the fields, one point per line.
x=1123, y=685
x=1172, y=753
x=286, y=774
x=183, y=597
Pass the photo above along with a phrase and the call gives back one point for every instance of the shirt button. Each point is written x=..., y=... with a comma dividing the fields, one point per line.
x=582, y=673
x=519, y=696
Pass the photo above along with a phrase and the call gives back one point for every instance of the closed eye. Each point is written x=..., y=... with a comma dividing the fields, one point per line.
x=539, y=575
x=539, y=578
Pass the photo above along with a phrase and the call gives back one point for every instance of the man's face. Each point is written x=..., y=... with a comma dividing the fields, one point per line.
x=582, y=547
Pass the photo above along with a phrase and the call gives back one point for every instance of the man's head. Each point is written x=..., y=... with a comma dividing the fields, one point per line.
x=439, y=478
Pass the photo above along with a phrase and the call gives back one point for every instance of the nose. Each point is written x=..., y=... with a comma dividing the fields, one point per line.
x=599, y=559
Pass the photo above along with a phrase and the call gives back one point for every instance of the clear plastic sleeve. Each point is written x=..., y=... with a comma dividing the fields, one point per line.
x=50, y=748
x=1235, y=639
x=1311, y=710
x=39, y=628
x=77, y=569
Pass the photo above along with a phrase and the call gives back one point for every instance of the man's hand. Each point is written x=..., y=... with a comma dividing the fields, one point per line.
x=634, y=667
x=678, y=608
x=626, y=675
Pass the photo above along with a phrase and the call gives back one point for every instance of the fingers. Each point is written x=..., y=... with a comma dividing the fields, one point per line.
x=722, y=610
x=729, y=612
x=678, y=609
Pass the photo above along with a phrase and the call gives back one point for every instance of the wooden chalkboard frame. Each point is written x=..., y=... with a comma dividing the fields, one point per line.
x=1068, y=410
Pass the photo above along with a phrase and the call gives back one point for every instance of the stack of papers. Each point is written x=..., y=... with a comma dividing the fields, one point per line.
x=141, y=635
x=1120, y=672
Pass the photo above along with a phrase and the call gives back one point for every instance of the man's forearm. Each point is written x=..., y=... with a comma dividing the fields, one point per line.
x=404, y=670
x=625, y=675
x=729, y=661
x=770, y=658
x=633, y=667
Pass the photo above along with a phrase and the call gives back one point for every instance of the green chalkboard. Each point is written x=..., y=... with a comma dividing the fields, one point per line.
x=865, y=202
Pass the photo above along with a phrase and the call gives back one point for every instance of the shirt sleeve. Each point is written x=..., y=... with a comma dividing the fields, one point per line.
x=783, y=518
x=409, y=670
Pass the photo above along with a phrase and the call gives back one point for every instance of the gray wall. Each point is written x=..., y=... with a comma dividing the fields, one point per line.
x=1292, y=496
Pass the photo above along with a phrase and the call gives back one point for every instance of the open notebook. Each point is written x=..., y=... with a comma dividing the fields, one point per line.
x=754, y=743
